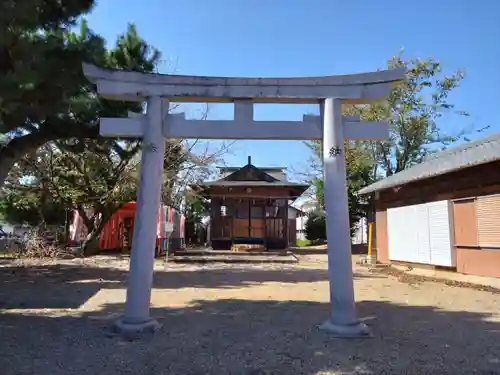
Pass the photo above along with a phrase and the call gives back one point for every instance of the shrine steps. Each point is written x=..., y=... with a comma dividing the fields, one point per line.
x=227, y=256
x=248, y=248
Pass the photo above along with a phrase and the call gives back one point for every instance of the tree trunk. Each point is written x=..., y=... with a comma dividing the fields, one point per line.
x=99, y=219
x=91, y=244
x=95, y=225
x=17, y=148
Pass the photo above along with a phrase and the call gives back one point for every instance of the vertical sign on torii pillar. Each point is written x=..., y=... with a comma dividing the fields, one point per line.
x=330, y=127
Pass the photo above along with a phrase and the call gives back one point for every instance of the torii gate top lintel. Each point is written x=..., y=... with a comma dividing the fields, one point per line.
x=136, y=86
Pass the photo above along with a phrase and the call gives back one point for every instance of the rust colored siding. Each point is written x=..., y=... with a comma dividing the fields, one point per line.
x=381, y=234
x=488, y=220
x=479, y=262
x=464, y=220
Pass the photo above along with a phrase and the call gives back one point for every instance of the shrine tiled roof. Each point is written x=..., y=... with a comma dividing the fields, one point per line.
x=250, y=176
x=250, y=183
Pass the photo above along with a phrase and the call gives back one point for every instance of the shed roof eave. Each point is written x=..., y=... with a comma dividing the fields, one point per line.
x=465, y=156
x=384, y=185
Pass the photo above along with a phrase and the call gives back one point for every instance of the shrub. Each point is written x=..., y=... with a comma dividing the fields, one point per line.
x=315, y=226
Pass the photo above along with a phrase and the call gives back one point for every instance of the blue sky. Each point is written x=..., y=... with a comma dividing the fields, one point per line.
x=316, y=37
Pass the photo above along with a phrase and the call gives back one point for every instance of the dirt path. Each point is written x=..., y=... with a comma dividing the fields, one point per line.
x=225, y=319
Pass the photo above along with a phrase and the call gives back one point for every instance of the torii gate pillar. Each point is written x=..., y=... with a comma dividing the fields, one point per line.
x=331, y=128
x=136, y=317
x=343, y=321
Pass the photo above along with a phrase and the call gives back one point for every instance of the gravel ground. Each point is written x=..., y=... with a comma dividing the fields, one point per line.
x=229, y=319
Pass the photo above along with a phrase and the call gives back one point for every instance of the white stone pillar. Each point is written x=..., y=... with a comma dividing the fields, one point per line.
x=136, y=317
x=343, y=321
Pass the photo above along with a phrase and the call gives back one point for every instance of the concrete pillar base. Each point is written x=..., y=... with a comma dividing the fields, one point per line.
x=352, y=331
x=136, y=328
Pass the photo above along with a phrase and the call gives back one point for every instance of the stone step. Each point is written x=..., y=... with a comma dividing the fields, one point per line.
x=209, y=252
x=248, y=248
x=231, y=258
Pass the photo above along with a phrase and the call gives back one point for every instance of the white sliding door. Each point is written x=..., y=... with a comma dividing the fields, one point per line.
x=441, y=245
x=403, y=239
x=421, y=234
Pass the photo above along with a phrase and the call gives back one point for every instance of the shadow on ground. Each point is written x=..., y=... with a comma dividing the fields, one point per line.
x=68, y=287
x=255, y=337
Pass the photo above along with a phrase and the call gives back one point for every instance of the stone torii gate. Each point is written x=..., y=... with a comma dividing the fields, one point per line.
x=330, y=127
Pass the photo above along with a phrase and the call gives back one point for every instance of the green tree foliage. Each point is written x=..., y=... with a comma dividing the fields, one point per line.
x=413, y=109
x=194, y=209
x=358, y=168
x=78, y=171
x=17, y=17
x=31, y=210
x=315, y=228
x=40, y=74
x=102, y=176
